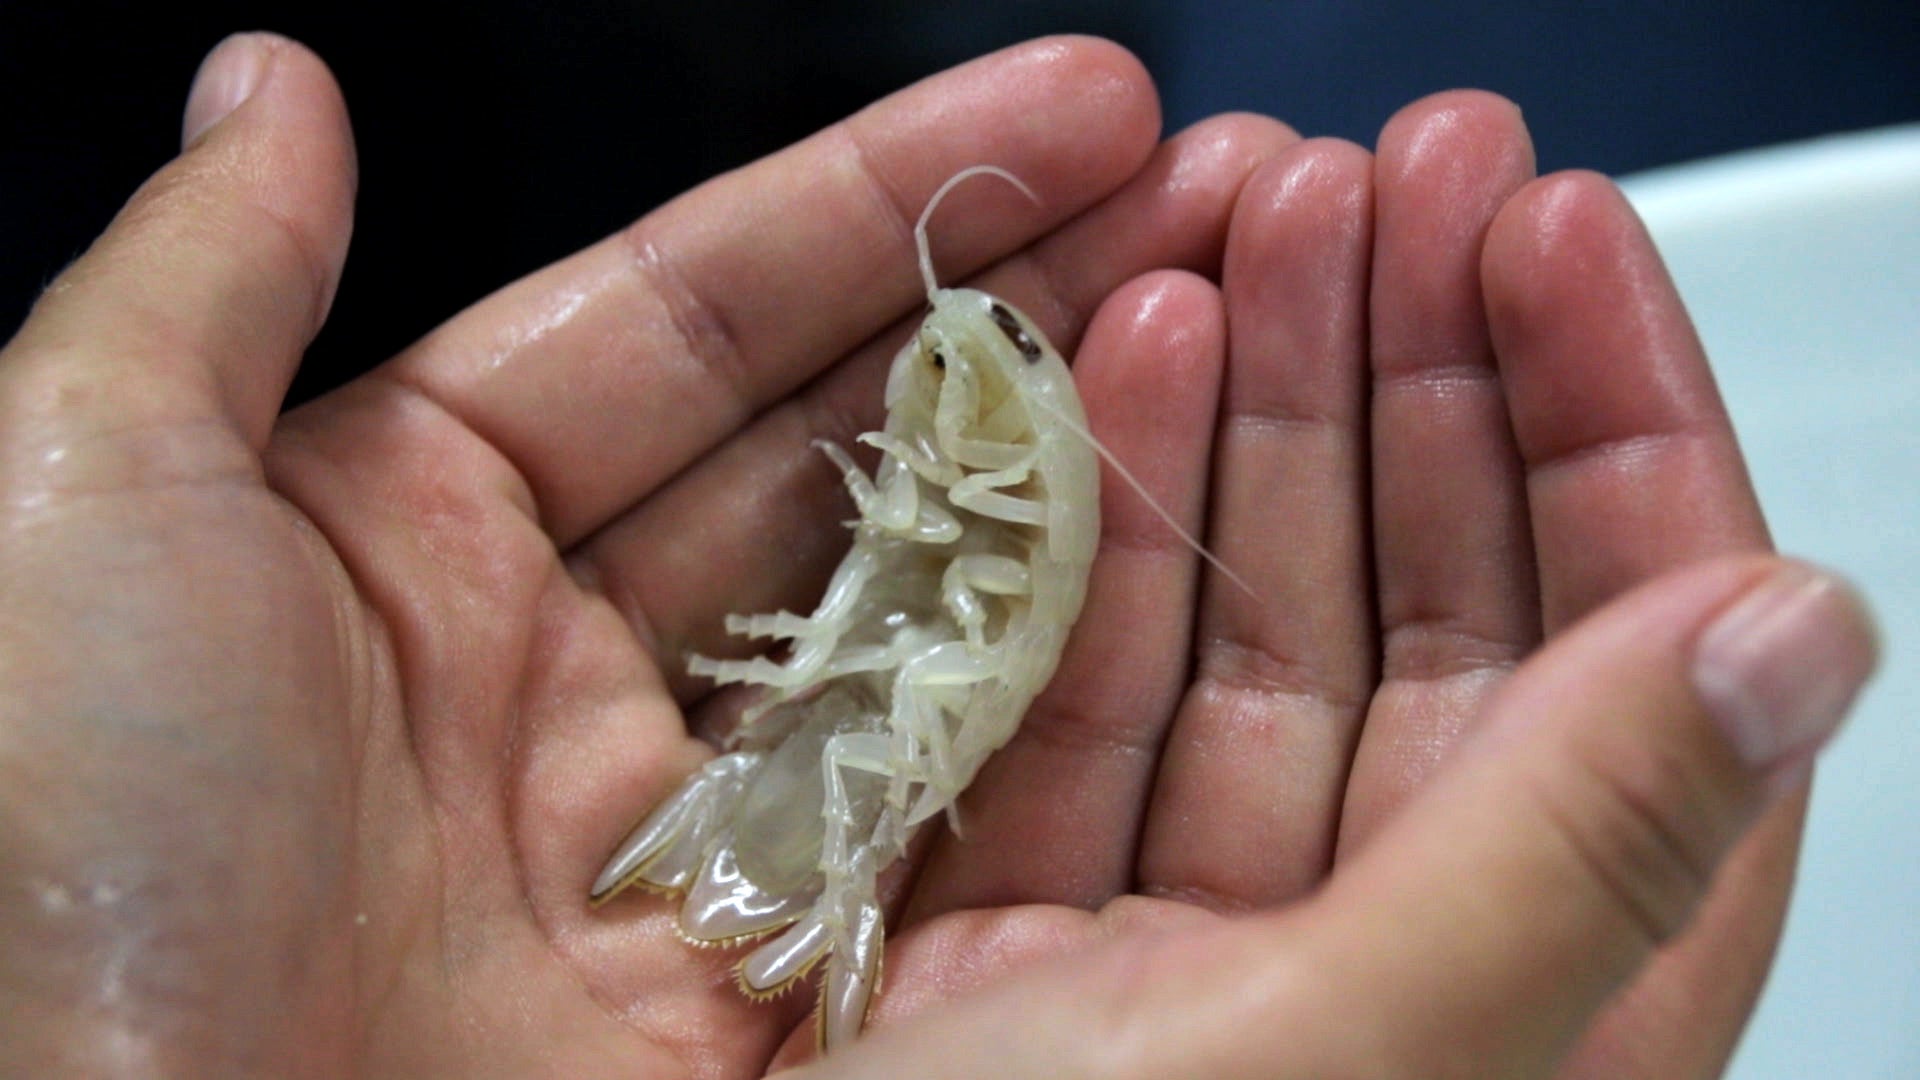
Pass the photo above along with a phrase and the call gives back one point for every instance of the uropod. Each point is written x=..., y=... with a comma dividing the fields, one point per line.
x=946, y=617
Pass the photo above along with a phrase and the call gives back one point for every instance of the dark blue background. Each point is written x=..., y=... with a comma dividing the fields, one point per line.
x=1617, y=86
x=496, y=137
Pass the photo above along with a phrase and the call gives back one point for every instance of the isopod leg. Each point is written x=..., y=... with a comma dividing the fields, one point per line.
x=851, y=906
x=967, y=576
x=855, y=751
x=815, y=638
x=759, y=670
x=892, y=501
x=978, y=493
x=943, y=776
x=780, y=624
x=853, y=971
x=954, y=414
x=942, y=473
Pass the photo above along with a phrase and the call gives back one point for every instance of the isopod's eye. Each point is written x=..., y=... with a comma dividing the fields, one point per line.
x=1017, y=334
x=939, y=361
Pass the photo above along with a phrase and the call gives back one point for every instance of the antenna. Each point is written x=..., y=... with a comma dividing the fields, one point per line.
x=920, y=227
x=1141, y=490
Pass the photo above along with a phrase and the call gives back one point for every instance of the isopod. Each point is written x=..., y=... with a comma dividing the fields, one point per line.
x=945, y=618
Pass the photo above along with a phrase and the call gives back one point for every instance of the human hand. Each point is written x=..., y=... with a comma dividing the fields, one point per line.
x=317, y=727
x=359, y=839
x=1503, y=771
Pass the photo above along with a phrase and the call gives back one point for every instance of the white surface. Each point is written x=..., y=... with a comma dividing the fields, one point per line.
x=1801, y=265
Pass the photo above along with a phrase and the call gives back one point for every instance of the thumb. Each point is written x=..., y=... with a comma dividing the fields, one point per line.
x=193, y=308
x=1480, y=933
x=1481, y=930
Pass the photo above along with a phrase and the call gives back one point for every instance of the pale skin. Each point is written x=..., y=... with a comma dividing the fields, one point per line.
x=317, y=727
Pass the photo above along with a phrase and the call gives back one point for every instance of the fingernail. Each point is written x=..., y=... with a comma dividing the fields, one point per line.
x=227, y=77
x=1778, y=669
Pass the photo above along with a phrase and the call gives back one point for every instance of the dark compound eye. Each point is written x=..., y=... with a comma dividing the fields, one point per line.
x=1010, y=326
x=939, y=361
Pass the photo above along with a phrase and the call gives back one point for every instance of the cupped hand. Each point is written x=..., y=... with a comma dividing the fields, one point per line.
x=1501, y=768
x=318, y=726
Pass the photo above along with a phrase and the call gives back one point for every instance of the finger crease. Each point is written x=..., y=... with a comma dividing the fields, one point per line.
x=1203, y=897
x=1649, y=872
x=883, y=192
x=515, y=486
x=702, y=327
x=1614, y=455
x=595, y=578
x=1242, y=668
x=1439, y=380
x=1440, y=648
x=315, y=265
x=1280, y=421
x=1075, y=733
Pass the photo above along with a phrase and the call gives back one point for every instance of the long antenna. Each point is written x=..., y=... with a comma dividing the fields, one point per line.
x=1141, y=490
x=920, y=227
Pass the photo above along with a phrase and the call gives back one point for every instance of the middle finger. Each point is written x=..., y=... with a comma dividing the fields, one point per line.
x=1248, y=793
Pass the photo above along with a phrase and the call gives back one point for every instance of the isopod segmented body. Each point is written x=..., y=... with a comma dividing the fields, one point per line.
x=948, y=615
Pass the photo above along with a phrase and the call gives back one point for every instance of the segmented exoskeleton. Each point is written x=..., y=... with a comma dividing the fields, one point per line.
x=948, y=615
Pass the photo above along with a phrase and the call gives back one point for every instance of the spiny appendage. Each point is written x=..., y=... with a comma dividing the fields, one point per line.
x=847, y=929
x=835, y=915
x=937, y=471
x=849, y=933
x=782, y=963
x=692, y=843
x=687, y=846
x=666, y=849
x=838, y=919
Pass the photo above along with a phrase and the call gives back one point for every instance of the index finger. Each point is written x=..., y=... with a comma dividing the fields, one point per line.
x=606, y=373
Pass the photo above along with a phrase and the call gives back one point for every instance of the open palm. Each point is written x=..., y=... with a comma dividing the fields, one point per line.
x=348, y=706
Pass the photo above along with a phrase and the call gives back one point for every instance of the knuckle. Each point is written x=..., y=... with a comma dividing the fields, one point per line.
x=700, y=322
x=1233, y=666
x=1642, y=829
